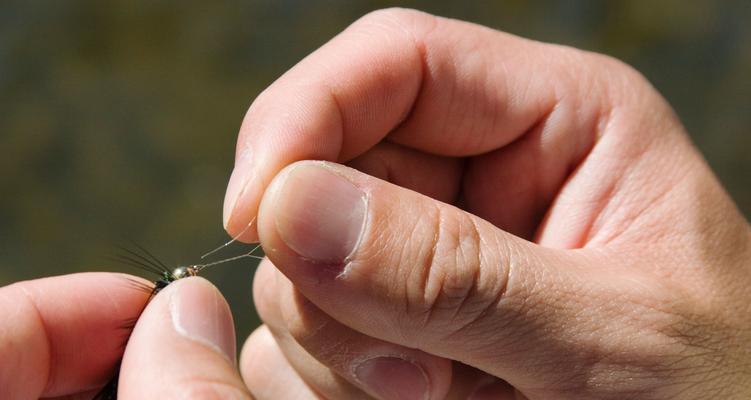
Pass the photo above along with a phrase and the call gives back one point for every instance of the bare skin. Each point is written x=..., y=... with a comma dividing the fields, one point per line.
x=60, y=338
x=521, y=220
x=493, y=218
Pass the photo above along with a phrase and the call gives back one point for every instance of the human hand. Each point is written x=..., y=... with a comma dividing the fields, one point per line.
x=589, y=252
x=60, y=338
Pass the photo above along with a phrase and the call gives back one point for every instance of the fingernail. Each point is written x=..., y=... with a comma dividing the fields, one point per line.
x=200, y=313
x=393, y=378
x=320, y=215
x=240, y=183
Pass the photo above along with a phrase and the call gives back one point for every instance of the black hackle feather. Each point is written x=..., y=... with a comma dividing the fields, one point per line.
x=148, y=263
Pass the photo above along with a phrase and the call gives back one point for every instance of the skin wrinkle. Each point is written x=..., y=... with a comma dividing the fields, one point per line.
x=466, y=125
x=544, y=126
x=412, y=276
x=428, y=77
x=115, y=304
x=649, y=367
x=420, y=50
x=51, y=362
x=473, y=288
x=603, y=200
x=603, y=121
x=305, y=332
x=710, y=352
x=453, y=286
x=502, y=295
x=633, y=222
x=492, y=305
x=601, y=230
x=333, y=98
x=633, y=160
x=540, y=200
x=336, y=353
x=485, y=101
x=450, y=94
x=575, y=305
x=427, y=268
x=417, y=275
x=534, y=133
x=595, y=359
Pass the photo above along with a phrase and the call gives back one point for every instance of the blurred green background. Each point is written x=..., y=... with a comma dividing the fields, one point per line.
x=118, y=118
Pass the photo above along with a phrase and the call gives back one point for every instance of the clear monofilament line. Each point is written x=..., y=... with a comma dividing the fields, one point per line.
x=233, y=240
x=249, y=254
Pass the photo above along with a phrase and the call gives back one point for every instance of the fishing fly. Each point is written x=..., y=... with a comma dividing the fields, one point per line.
x=142, y=259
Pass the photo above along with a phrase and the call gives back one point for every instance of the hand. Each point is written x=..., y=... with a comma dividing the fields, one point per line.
x=527, y=221
x=61, y=337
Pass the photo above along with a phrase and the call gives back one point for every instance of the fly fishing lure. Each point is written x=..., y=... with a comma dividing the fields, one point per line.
x=143, y=259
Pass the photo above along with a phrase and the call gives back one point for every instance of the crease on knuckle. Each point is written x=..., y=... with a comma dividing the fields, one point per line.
x=459, y=285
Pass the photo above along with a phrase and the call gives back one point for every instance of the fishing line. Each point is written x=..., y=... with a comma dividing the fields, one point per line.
x=146, y=261
x=233, y=240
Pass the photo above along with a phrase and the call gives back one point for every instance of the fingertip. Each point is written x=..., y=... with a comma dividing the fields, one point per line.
x=185, y=335
x=239, y=218
x=200, y=313
x=241, y=202
x=72, y=327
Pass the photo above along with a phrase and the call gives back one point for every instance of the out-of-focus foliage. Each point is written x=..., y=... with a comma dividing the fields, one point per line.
x=118, y=118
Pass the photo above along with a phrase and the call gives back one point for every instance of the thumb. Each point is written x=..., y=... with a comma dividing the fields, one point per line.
x=401, y=267
x=183, y=347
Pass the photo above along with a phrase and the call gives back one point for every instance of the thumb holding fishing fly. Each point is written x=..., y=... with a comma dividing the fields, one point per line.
x=183, y=347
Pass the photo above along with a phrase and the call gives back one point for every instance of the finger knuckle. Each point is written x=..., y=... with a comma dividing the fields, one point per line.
x=588, y=74
x=622, y=83
x=456, y=283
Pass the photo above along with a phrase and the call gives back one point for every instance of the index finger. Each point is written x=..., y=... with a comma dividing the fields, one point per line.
x=437, y=85
x=63, y=335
